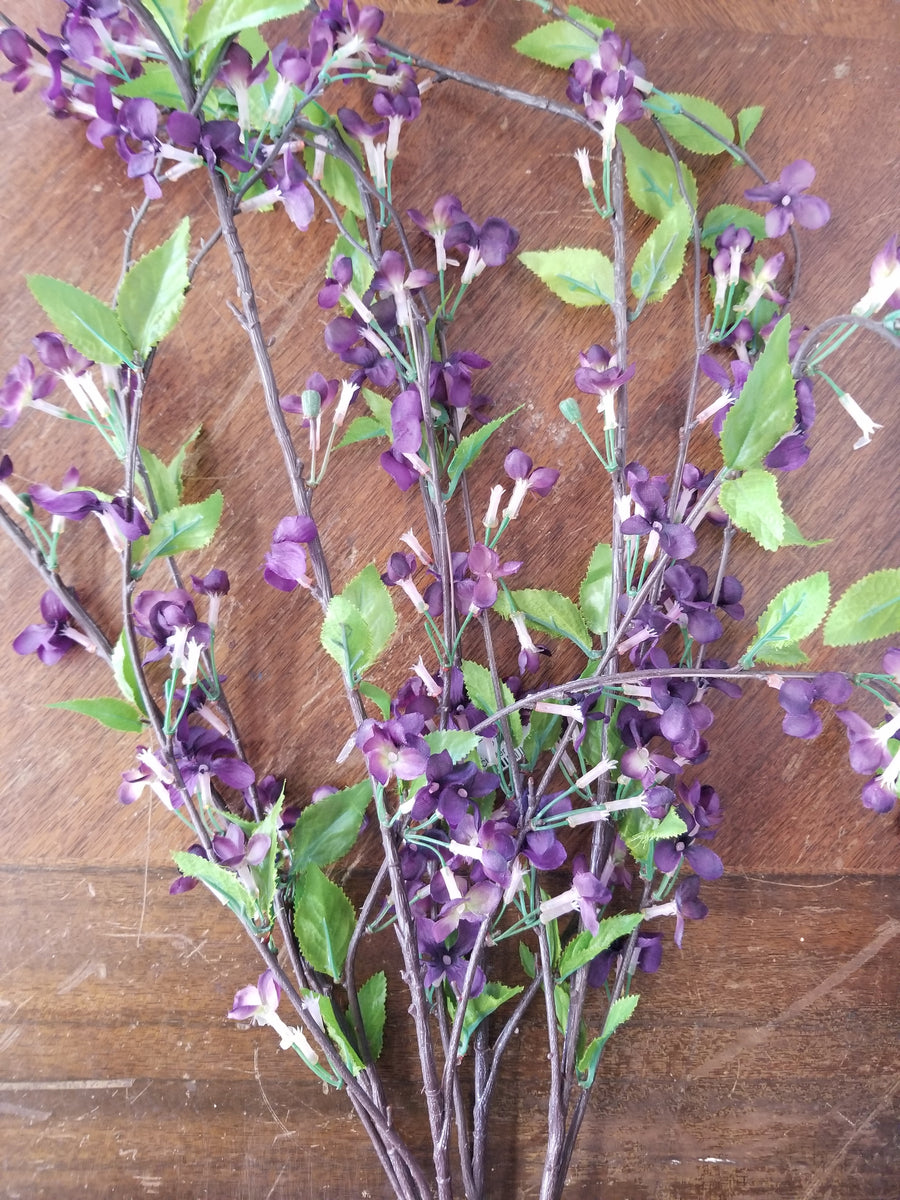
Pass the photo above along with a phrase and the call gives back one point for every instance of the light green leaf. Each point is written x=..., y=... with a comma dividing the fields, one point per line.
x=487, y=1001
x=327, y=830
x=264, y=873
x=324, y=920
x=480, y=688
x=379, y=697
x=747, y=121
x=346, y=638
x=558, y=43
x=689, y=134
x=547, y=611
x=595, y=595
x=379, y=406
x=362, y=429
x=155, y=83
x=458, y=743
x=108, y=710
x=347, y=1051
x=172, y=16
x=788, y=655
x=90, y=325
x=216, y=20
x=869, y=609
x=659, y=262
x=469, y=448
x=586, y=945
x=579, y=275
x=527, y=959
x=167, y=481
x=793, y=536
x=152, y=293
x=224, y=884
x=793, y=614
x=641, y=832
x=619, y=1012
x=719, y=218
x=753, y=503
x=651, y=177
x=188, y=527
x=363, y=268
x=373, y=1007
x=372, y=599
x=124, y=673
x=764, y=411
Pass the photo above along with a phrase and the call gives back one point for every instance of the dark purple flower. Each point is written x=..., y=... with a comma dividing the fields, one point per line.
x=49, y=640
x=285, y=565
x=157, y=615
x=651, y=518
x=215, y=141
x=394, y=747
x=134, y=126
x=443, y=962
x=202, y=753
x=797, y=696
x=646, y=956
x=585, y=894
x=787, y=195
x=448, y=227
x=20, y=388
x=232, y=848
x=528, y=478
x=485, y=565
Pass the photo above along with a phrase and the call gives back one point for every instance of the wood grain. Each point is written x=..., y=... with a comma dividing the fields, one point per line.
x=763, y=1059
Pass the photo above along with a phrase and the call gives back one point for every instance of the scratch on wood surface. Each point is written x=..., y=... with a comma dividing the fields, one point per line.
x=285, y=1132
x=271, y=1190
x=62, y=1085
x=822, y=1177
x=19, y=1110
x=146, y=873
x=80, y=975
x=754, y=1037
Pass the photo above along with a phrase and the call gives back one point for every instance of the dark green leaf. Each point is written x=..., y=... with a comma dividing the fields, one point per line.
x=542, y=732
x=347, y=1051
x=324, y=920
x=764, y=411
x=586, y=945
x=469, y=448
x=869, y=609
x=579, y=275
x=188, y=527
x=641, y=832
x=659, y=262
x=167, y=481
x=372, y=1005
x=688, y=133
x=526, y=958
x=753, y=503
x=379, y=697
x=90, y=325
x=152, y=293
x=108, y=710
x=487, y=1001
x=595, y=595
x=651, y=177
x=619, y=1012
x=327, y=830
x=481, y=692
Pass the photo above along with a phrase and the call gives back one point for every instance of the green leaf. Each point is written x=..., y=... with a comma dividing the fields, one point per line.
x=651, y=177
x=372, y=1005
x=527, y=959
x=363, y=268
x=379, y=697
x=379, y=406
x=543, y=730
x=595, y=595
x=167, y=481
x=155, y=83
x=469, y=448
x=719, y=218
x=747, y=121
x=224, y=884
x=869, y=609
x=793, y=536
x=586, y=945
x=90, y=325
x=558, y=44
x=579, y=275
x=619, y=1012
x=108, y=710
x=172, y=16
x=641, y=832
x=324, y=920
x=481, y=692
x=690, y=135
x=216, y=20
x=487, y=1001
x=345, y=1048
x=788, y=655
x=659, y=262
x=373, y=601
x=548, y=611
x=124, y=673
x=458, y=743
x=188, y=527
x=152, y=293
x=753, y=503
x=764, y=411
x=362, y=429
x=793, y=614
x=345, y=637
x=327, y=830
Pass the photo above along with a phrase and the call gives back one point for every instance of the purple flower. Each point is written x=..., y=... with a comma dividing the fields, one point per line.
x=585, y=894
x=443, y=962
x=394, y=747
x=134, y=126
x=215, y=141
x=790, y=202
x=676, y=539
x=285, y=565
x=202, y=753
x=49, y=640
x=485, y=565
x=646, y=956
x=392, y=277
x=448, y=226
x=251, y=1002
x=20, y=388
x=796, y=697
x=528, y=478
x=78, y=503
x=232, y=848
x=157, y=615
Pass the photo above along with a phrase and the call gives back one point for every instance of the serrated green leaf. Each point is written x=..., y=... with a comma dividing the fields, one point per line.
x=690, y=135
x=586, y=945
x=90, y=325
x=641, y=832
x=225, y=884
x=469, y=448
x=542, y=732
x=124, y=673
x=651, y=177
x=327, y=830
x=458, y=743
x=788, y=655
x=747, y=121
x=595, y=594
x=480, y=688
x=619, y=1012
x=579, y=275
x=167, y=481
x=108, y=710
x=379, y=697
x=172, y=16
x=719, y=218
x=324, y=920
x=558, y=43
x=793, y=536
x=753, y=503
x=216, y=20
x=188, y=527
x=345, y=637
x=487, y=1001
x=363, y=268
x=373, y=1007
x=547, y=611
x=362, y=429
x=347, y=1051
x=526, y=958
x=765, y=409
x=379, y=406
x=152, y=293
x=795, y=612
x=869, y=609
x=155, y=83
x=371, y=598
x=660, y=260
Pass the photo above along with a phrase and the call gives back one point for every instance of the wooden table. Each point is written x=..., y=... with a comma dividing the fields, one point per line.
x=763, y=1059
